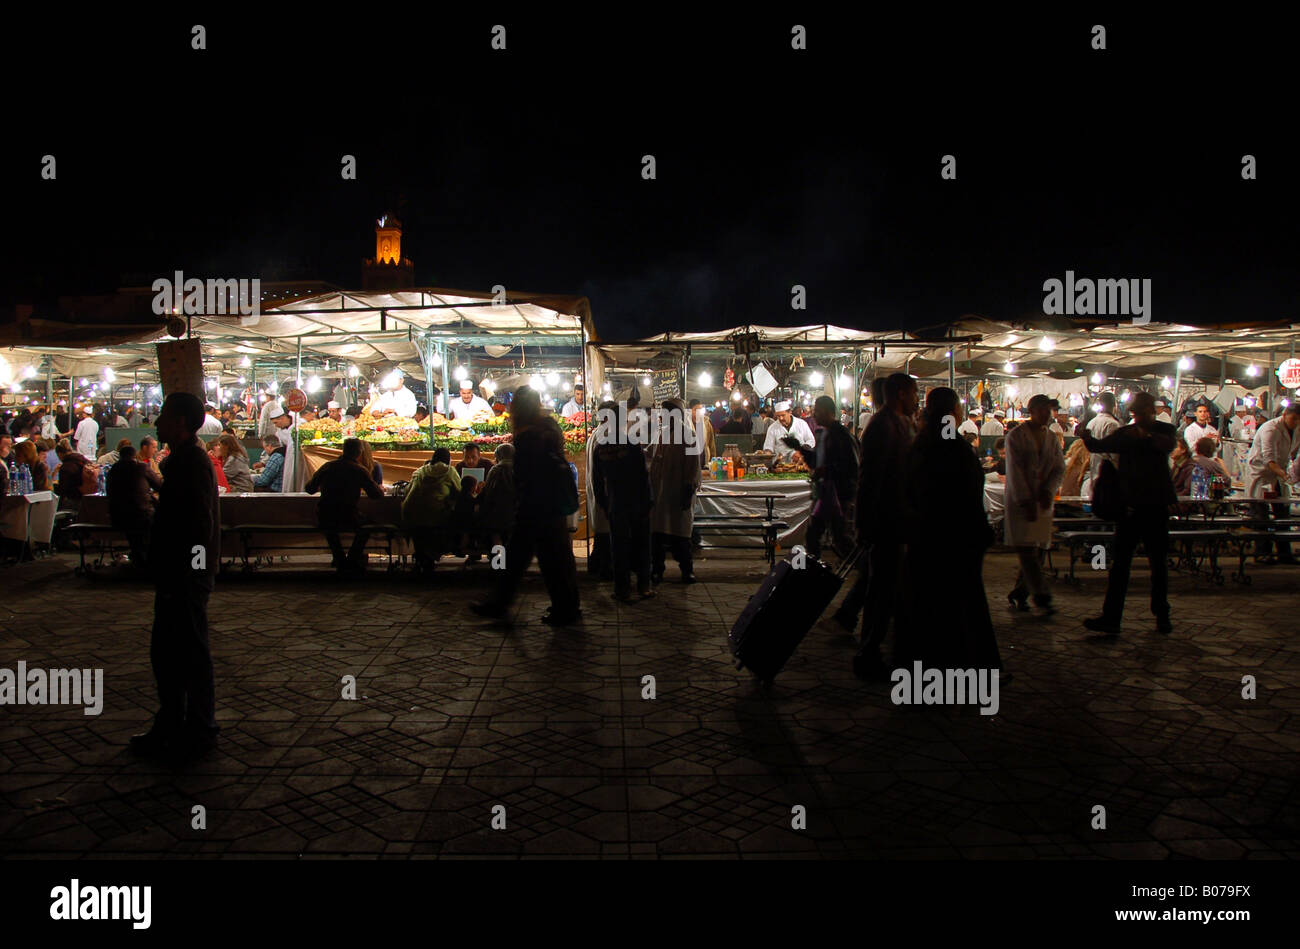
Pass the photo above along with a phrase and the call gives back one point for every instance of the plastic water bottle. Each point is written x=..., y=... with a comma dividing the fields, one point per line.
x=103, y=478
x=24, y=480
x=1198, y=483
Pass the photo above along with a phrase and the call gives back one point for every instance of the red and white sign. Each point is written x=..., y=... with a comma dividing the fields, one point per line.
x=1289, y=373
x=295, y=400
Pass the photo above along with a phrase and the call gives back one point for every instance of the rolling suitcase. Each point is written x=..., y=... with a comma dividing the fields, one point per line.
x=777, y=617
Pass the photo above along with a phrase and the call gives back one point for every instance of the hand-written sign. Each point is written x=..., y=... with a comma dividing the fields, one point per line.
x=666, y=385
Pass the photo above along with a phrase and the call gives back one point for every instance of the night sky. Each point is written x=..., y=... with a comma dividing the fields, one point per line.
x=775, y=167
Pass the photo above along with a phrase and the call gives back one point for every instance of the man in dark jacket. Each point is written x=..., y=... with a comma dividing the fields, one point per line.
x=130, y=501
x=340, y=483
x=543, y=489
x=621, y=484
x=185, y=552
x=834, y=464
x=879, y=515
x=1148, y=491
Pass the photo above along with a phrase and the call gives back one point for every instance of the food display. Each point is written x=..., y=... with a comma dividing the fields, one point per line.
x=396, y=433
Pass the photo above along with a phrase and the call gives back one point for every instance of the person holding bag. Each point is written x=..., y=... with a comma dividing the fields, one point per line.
x=545, y=496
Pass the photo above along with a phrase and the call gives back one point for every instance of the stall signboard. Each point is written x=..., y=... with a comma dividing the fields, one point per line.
x=746, y=344
x=295, y=400
x=1289, y=373
x=666, y=386
x=180, y=367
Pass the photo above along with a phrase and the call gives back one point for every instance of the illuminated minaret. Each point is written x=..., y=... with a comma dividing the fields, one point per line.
x=388, y=269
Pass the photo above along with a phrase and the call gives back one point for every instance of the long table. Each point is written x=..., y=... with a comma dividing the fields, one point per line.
x=789, y=501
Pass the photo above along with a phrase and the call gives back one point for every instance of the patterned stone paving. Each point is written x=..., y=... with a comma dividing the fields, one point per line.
x=455, y=716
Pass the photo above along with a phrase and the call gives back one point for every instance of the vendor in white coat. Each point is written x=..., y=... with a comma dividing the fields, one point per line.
x=1203, y=427
x=787, y=424
x=1035, y=468
x=1101, y=425
x=397, y=400
x=468, y=403
x=1271, y=467
x=283, y=423
x=993, y=426
x=971, y=426
x=86, y=437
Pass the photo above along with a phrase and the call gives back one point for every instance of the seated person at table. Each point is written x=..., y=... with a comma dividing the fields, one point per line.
x=268, y=474
x=429, y=505
x=1078, y=461
x=1204, y=458
x=78, y=476
x=131, y=484
x=110, y=457
x=215, y=457
x=234, y=462
x=1000, y=453
x=26, y=454
x=368, y=462
x=1181, y=468
x=340, y=483
x=463, y=514
x=496, y=502
x=474, y=459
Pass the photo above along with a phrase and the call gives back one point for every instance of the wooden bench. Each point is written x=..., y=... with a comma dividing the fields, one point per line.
x=253, y=538
x=767, y=528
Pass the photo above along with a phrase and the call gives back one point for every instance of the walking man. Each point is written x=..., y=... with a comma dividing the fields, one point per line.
x=879, y=516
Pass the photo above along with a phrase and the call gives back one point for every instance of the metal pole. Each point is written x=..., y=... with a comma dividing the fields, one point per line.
x=427, y=352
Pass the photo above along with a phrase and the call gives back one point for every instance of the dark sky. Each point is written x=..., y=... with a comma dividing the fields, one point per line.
x=775, y=167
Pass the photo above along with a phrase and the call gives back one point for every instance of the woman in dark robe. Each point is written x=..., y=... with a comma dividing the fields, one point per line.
x=945, y=619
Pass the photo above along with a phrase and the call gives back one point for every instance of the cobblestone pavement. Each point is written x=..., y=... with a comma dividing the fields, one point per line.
x=454, y=715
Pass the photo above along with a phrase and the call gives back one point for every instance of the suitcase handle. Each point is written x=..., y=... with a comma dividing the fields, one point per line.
x=851, y=561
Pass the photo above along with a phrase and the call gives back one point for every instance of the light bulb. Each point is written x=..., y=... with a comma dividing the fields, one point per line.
x=353, y=372
x=436, y=361
x=1185, y=364
x=552, y=379
x=1008, y=366
x=1166, y=382
x=1098, y=378
x=461, y=372
x=29, y=372
x=705, y=380
x=735, y=395
x=535, y=381
x=1124, y=396
x=645, y=380
x=1046, y=344
x=313, y=384
x=815, y=380
x=1252, y=370
x=843, y=382
x=245, y=362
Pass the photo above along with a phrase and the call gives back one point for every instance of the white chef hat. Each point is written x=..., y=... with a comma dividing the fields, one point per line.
x=783, y=406
x=276, y=410
x=332, y=404
x=977, y=411
x=89, y=410
x=999, y=413
x=466, y=384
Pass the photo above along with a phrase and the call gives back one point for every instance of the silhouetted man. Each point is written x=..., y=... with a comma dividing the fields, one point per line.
x=185, y=550
x=879, y=515
x=1143, y=449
